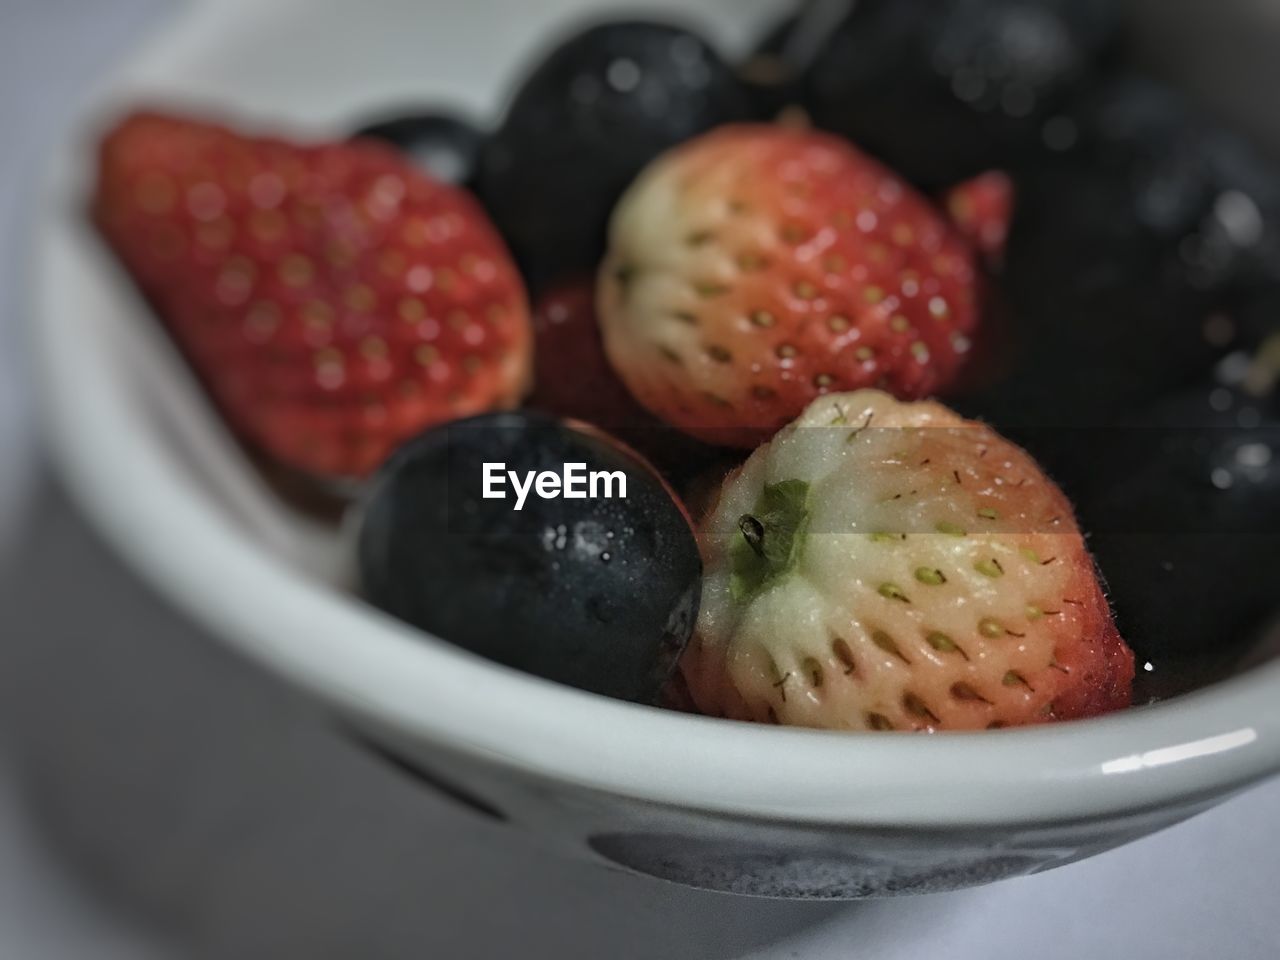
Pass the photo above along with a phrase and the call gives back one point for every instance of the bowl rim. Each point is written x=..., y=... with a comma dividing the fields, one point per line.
x=386, y=675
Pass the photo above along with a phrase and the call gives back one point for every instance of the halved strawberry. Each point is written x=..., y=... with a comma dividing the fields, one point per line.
x=333, y=300
x=758, y=267
x=890, y=566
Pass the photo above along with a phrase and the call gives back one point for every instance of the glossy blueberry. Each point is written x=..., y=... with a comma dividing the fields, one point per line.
x=441, y=144
x=1201, y=186
x=1101, y=316
x=943, y=91
x=599, y=593
x=1181, y=504
x=584, y=123
x=1139, y=255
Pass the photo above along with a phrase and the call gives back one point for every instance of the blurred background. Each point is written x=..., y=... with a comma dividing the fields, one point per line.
x=239, y=827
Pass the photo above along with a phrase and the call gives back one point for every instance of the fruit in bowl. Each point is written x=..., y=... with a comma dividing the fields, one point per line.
x=336, y=300
x=928, y=270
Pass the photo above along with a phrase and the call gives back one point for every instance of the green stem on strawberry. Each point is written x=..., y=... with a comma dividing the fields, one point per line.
x=773, y=537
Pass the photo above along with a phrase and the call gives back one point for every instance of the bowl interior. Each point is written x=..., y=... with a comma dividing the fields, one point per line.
x=144, y=454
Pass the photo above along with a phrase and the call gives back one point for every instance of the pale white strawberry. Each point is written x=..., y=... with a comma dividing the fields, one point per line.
x=757, y=267
x=890, y=565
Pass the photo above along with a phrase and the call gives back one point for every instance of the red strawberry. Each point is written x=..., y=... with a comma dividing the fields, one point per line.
x=333, y=300
x=758, y=267
x=981, y=209
x=572, y=378
x=884, y=565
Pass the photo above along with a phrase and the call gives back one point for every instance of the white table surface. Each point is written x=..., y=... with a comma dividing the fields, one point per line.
x=1209, y=888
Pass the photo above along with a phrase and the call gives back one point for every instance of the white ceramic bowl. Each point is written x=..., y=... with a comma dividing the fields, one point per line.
x=743, y=808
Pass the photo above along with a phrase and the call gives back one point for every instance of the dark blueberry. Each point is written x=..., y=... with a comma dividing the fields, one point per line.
x=1145, y=135
x=1137, y=258
x=1193, y=181
x=943, y=91
x=441, y=144
x=1101, y=316
x=1181, y=505
x=597, y=592
x=584, y=123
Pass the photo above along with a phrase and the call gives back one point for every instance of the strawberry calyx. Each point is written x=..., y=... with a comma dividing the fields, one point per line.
x=772, y=540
